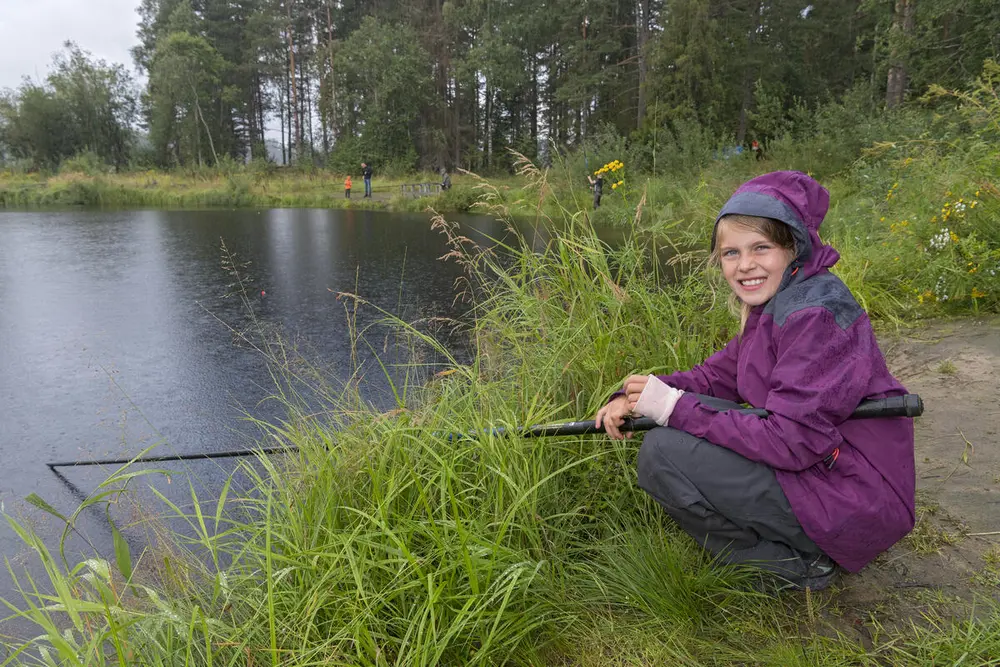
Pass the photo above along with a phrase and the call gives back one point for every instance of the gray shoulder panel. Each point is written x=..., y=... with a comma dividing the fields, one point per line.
x=822, y=291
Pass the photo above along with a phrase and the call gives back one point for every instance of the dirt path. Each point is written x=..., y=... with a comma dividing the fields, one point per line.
x=953, y=555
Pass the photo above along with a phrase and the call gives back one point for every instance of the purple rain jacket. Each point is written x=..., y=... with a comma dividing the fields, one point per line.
x=809, y=356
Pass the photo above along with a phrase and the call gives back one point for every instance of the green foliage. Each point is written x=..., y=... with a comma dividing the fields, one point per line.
x=88, y=163
x=184, y=75
x=377, y=539
x=84, y=106
x=384, y=74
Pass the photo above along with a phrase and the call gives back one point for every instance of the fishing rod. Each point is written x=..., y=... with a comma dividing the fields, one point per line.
x=908, y=405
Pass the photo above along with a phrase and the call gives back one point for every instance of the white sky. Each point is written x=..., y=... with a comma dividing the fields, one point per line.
x=31, y=31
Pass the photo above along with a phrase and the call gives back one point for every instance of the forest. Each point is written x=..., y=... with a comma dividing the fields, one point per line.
x=426, y=84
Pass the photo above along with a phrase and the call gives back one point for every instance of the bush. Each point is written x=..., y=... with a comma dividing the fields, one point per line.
x=88, y=163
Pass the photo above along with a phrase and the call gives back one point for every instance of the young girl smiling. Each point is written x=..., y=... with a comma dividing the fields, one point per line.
x=804, y=489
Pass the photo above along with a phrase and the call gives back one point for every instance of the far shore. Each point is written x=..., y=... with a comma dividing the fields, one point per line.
x=244, y=189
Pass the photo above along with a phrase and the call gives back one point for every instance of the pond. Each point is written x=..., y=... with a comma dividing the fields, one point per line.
x=117, y=329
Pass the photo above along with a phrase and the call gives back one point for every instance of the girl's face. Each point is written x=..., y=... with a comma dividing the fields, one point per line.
x=752, y=263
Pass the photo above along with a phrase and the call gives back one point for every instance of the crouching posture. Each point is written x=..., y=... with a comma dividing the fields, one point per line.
x=803, y=490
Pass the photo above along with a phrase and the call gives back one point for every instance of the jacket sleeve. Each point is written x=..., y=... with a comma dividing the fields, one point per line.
x=716, y=376
x=820, y=376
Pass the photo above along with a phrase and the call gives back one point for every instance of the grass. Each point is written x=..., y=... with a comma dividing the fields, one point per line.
x=378, y=540
x=947, y=367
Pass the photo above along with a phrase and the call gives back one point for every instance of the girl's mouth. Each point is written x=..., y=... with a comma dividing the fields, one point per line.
x=752, y=283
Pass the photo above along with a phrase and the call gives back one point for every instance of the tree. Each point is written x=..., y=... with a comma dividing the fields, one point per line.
x=900, y=36
x=386, y=78
x=185, y=72
x=84, y=105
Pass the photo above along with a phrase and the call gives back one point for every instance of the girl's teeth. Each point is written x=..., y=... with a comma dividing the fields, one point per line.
x=751, y=283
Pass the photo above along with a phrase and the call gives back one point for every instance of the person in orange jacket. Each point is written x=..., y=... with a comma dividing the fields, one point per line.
x=347, y=187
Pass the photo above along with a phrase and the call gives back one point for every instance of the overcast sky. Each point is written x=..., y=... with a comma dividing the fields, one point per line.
x=32, y=30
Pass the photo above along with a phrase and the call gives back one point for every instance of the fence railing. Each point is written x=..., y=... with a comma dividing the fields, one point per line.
x=419, y=189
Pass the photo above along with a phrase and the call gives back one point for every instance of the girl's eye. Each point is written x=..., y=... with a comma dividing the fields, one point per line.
x=762, y=247
x=729, y=253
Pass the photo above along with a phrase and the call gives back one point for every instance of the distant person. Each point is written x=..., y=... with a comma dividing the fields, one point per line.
x=445, y=179
x=366, y=174
x=598, y=186
x=347, y=187
x=757, y=151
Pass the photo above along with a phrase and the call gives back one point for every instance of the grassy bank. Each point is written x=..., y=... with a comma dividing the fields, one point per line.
x=379, y=541
x=273, y=188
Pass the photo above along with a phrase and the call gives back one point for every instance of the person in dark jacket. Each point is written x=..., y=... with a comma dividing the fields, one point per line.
x=598, y=186
x=366, y=174
x=803, y=490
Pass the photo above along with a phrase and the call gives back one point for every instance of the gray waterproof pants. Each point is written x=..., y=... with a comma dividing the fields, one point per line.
x=732, y=506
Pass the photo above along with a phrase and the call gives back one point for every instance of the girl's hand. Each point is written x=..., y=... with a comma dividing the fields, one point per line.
x=633, y=388
x=612, y=416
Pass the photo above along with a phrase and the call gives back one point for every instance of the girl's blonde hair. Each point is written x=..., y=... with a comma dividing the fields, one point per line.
x=777, y=232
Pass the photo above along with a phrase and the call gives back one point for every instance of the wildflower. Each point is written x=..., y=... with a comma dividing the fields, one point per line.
x=941, y=240
x=954, y=237
x=614, y=186
x=977, y=294
x=882, y=219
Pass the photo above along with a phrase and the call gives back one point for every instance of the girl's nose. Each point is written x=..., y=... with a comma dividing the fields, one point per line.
x=747, y=263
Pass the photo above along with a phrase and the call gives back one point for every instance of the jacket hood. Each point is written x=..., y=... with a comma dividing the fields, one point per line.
x=795, y=199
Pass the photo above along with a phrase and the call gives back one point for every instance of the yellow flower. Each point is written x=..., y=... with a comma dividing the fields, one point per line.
x=977, y=294
x=881, y=219
x=954, y=236
x=614, y=186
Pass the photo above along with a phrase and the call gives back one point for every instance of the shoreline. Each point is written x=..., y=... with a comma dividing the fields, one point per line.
x=243, y=190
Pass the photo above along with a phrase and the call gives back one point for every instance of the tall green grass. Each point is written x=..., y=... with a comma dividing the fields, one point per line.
x=380, y=540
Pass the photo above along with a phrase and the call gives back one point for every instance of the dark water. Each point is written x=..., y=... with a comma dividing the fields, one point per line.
x=114, y=328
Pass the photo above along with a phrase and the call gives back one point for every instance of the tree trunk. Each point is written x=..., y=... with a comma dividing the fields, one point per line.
x=332, y=79
x=489, y=125
x=903, y=23
x=281, y=117
x=293, y=146
x=642, y=36
x=748, y=71
x=534, y=101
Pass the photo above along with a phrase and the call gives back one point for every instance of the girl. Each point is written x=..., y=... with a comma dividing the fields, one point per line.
x=805, y=489
x=347, y=187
